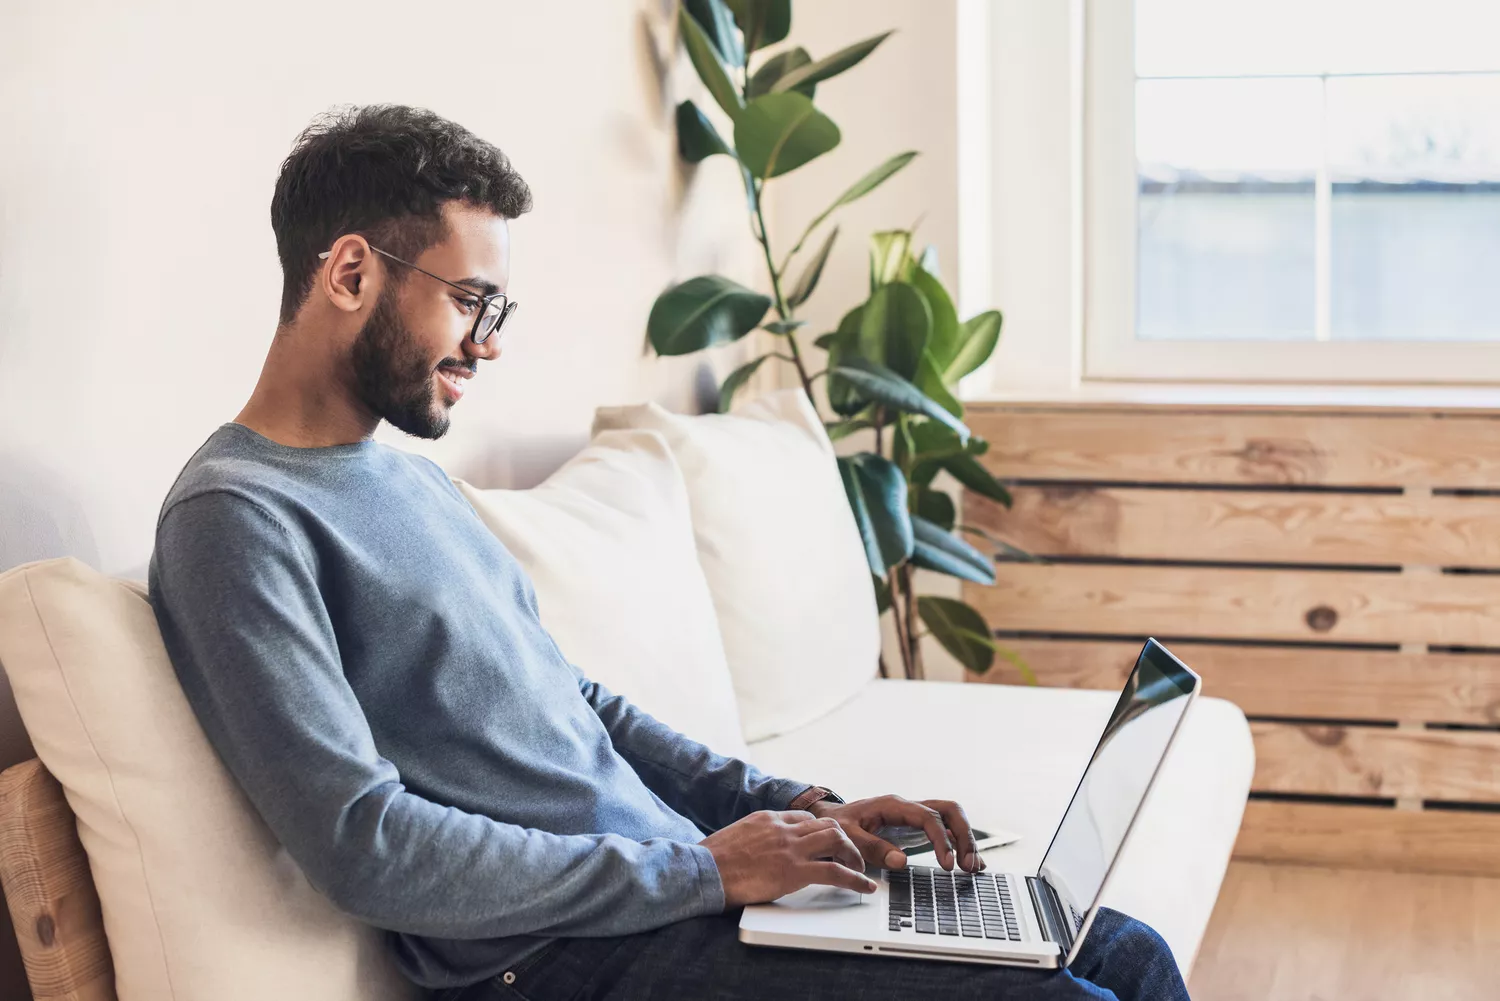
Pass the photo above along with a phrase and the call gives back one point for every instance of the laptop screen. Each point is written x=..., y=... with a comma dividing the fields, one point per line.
x=1114, y=785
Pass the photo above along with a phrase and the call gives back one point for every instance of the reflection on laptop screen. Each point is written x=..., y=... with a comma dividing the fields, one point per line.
x=1114, y=784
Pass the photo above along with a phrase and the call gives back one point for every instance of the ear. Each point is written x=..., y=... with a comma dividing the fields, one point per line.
x=349, y=277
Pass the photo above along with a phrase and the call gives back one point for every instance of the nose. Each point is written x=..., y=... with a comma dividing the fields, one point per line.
x=488, y=351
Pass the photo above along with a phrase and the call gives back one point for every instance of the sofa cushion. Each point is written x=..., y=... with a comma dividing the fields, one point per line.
x=200, y=902
x=781, y=553
x=608, y=542
x=1013, y=755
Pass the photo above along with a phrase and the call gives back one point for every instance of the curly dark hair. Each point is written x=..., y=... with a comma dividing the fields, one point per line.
x=383, y=171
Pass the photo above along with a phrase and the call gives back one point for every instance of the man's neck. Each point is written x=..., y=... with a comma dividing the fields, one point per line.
x=303, y=400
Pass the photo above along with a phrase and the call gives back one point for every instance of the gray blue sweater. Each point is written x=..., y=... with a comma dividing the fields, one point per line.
x=367, y=659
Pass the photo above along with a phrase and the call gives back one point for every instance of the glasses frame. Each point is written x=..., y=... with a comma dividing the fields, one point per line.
x=507, y=304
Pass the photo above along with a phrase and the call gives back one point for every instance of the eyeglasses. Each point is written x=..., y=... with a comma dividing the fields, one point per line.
x=491, y=311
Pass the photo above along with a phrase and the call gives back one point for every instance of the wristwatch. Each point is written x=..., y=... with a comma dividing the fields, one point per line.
x=811, y=795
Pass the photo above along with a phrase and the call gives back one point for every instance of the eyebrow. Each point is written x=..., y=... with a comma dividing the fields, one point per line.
x=484, y=286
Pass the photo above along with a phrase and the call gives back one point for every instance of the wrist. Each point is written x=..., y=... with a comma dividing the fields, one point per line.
x=815, y=800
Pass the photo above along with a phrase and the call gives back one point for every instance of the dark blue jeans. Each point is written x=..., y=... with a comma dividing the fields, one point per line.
x=703, y=958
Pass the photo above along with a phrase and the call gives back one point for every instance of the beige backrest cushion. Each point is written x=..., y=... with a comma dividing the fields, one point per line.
x=200, y=902
x=781, y=552
x=608, y=543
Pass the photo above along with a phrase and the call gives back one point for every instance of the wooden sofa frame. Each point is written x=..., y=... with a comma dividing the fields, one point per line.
x=50, y=891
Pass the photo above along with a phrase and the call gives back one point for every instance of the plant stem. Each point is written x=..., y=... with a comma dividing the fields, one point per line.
x=914, y=659
x=892, y=581
x=781, y=308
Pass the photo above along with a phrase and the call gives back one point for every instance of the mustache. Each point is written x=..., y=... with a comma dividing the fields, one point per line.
x=470, y=368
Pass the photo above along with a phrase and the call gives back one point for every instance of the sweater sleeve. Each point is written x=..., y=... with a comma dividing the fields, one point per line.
x=709, y=789
x=244, y=622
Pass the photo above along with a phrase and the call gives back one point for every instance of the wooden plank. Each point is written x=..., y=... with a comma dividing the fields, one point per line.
x=1187, y=602
x=1255, y=527
x=50, y=891
x=1288, y=681
x=1455, y=765
x=1448, y=841
x=1231, y=445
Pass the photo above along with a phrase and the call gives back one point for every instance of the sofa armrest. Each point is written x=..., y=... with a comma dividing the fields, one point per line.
x=50, y=890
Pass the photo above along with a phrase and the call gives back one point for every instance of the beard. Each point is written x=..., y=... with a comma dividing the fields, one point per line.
x=392, y=376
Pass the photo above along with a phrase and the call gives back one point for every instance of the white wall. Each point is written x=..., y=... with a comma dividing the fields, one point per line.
x=138, y=275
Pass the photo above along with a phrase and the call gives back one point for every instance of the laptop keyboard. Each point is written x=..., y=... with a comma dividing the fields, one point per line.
x=932, y=901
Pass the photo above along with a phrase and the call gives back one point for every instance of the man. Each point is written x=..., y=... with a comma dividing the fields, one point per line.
x=368, y=661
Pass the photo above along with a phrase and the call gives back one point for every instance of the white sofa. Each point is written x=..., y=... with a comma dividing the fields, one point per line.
x=707, y=568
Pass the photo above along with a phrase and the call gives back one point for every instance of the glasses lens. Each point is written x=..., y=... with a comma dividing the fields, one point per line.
x=507, y=318
x=489, y=321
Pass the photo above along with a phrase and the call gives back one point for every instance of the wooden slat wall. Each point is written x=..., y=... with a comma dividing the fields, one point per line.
x=1333, y=572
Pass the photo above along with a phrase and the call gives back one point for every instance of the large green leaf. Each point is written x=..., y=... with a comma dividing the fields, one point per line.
x=703, y=312
x=828, y=66
x=764, y=22
x=966, y=469
x=861, y=187
x=878, y=383
x=943, y=552
x=696, y=136
x=890, y=257
x=930, y=381
x=718, y=24
x=734, y=380
x=894, y=328
x=960, y=629
x=844, y=428
x=927, y=261
x=776, y=133
x=778, y=66
x=1014, y=554
x=844, y=398
x=877, y=496
x=944, y=342
x=710, y=67
x=936, y=506
x=932, y=439
x=976, y=342
x=812, y=272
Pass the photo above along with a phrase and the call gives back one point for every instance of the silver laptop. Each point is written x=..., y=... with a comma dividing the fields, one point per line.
x=1014, y=919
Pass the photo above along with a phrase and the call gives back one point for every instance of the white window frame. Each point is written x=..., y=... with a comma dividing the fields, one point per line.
x=1052, y=85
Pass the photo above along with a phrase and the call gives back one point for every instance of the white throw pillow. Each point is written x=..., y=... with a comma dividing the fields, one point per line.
x=200, y=901
x=608, y=543
x=781, y=552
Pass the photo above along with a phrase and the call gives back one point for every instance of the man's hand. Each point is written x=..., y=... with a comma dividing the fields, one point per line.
x=945, y=822
x=769, y=854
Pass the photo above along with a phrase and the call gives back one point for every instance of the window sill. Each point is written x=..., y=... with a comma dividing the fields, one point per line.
x=1249, y=395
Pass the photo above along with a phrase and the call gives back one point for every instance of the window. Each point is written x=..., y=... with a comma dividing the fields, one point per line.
x=1291, y=191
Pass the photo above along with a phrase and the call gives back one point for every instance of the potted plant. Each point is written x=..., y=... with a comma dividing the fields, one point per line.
x=893, y=364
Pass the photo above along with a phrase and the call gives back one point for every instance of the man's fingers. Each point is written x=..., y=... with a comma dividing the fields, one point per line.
x=878, y=851
x=832, y=842
x=833, y=874
x=963, y=835
x=931, y=822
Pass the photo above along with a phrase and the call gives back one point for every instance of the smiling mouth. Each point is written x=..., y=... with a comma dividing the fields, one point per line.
x=453, y=383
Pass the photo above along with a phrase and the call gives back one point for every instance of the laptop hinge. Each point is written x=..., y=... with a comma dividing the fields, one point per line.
x=1049, y=910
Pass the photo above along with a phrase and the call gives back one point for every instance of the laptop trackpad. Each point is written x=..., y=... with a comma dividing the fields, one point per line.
x=821, y=898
